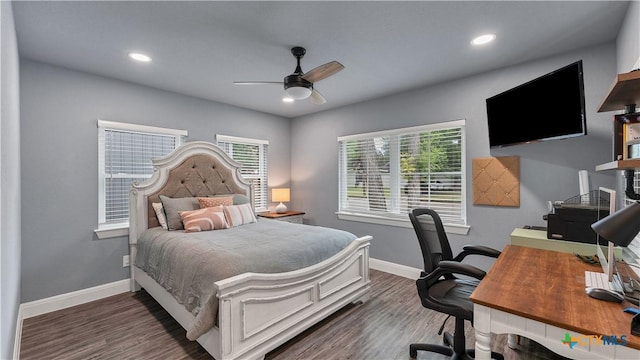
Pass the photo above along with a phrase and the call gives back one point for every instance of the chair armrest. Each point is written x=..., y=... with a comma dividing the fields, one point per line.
x=477, y=250
x=453, y=267
x=444, y=268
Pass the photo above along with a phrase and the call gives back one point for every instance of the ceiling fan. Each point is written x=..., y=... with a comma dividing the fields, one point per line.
x=299, y=85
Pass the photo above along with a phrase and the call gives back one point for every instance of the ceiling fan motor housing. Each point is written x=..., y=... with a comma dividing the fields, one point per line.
x=295, y=80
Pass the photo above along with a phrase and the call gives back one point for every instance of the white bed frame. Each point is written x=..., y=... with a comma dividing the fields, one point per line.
x=256, y=312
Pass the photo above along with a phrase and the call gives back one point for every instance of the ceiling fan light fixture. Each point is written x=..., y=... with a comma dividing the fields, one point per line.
x=287, y=99
x=298, y=92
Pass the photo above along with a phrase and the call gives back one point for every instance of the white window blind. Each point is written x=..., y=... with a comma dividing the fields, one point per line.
x=125, y=153
x=252, y=154
x=392, y=172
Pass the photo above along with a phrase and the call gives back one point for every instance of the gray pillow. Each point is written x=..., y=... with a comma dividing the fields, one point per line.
x=172, y=208
x=239, y=199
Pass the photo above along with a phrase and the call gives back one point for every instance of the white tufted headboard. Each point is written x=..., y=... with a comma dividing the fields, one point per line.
x=196, y=168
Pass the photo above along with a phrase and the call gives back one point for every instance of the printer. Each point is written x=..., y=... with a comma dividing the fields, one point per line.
x=571, y=220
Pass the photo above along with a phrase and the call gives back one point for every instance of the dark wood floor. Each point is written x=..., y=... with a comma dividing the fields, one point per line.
x=134, y=326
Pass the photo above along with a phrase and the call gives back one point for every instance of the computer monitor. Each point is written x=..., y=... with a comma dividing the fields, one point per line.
x=607, y=260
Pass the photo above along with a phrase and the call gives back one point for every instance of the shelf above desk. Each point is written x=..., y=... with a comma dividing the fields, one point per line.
x=620, y=165
x=538, y=239
x=624, y=91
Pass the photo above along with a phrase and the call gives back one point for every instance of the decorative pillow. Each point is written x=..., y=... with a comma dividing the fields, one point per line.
x=172, y=208
x=157, y=207
x=239, y=199
x=239, y=215
x=210, y=218
x=215, y=201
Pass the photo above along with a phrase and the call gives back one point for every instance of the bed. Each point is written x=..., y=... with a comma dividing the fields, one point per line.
x=252, y=312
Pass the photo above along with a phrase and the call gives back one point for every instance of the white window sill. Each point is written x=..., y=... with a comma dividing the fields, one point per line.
x=390, y=221
x=111, y=231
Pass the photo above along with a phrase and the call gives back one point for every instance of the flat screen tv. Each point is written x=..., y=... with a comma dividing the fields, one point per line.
x=547, y=108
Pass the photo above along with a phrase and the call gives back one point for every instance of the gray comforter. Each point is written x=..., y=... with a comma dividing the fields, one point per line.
x=187, y=264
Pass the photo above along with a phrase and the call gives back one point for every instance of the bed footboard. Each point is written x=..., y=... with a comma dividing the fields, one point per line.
x=259, y=312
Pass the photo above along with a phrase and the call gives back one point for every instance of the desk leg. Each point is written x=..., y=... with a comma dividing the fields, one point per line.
x=513, y=341
x=483, y=345
x=482, y=325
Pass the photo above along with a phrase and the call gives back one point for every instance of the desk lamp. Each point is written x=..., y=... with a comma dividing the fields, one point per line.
x=281, y=195
x=621, y=228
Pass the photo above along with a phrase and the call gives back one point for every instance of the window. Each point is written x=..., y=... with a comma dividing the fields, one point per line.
x=384, y=175
x=252, y=154
x=124, y=155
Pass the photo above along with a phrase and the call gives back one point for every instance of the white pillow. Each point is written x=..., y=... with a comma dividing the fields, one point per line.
x=157, y=207
x=239, y=215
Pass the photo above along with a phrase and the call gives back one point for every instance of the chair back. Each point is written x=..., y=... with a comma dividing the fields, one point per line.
x=431, y=236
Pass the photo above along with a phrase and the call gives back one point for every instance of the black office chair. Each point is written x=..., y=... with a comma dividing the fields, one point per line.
x=438, y=287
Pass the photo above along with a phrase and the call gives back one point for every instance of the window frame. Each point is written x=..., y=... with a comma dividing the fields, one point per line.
x=263, y=162
x=400, y=219
x=115, y=229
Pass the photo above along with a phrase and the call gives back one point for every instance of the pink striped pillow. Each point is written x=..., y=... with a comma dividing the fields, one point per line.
x=239, y=215
x=211, y=218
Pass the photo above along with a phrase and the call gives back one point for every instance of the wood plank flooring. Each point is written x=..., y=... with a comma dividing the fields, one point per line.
x=134, y=326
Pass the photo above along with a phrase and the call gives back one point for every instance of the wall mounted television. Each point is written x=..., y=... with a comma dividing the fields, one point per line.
x=547, y=108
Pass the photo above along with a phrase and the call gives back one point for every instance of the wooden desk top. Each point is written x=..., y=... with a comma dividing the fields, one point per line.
x=548, y=286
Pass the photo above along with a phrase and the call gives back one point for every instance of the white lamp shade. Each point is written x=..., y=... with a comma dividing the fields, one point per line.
x=298, y=92
x=280, y=194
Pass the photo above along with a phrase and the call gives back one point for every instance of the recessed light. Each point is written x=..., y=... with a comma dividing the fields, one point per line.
x=139, y=57
x=287, y=99
x=483, y=39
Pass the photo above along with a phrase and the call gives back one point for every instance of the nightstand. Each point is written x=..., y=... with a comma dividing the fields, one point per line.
x=288, y=216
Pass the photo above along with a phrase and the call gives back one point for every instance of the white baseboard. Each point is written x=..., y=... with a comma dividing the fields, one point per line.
x=395, y=269
x=18, y=337
x=62, y=301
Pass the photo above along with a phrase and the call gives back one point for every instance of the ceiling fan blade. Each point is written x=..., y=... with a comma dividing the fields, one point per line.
x=258, y=83
x=323, y=71
x=317, y=98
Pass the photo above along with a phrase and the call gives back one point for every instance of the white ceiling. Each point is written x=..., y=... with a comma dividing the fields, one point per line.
x=200, y=48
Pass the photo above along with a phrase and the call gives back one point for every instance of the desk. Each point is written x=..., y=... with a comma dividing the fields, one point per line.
x=539, y=294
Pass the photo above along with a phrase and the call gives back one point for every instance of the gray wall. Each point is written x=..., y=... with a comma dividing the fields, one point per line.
x=9, y=181
x=548, y=171
x=628, y=42
x=60, y=109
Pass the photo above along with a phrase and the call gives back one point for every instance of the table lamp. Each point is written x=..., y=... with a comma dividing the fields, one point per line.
x=280, y=195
